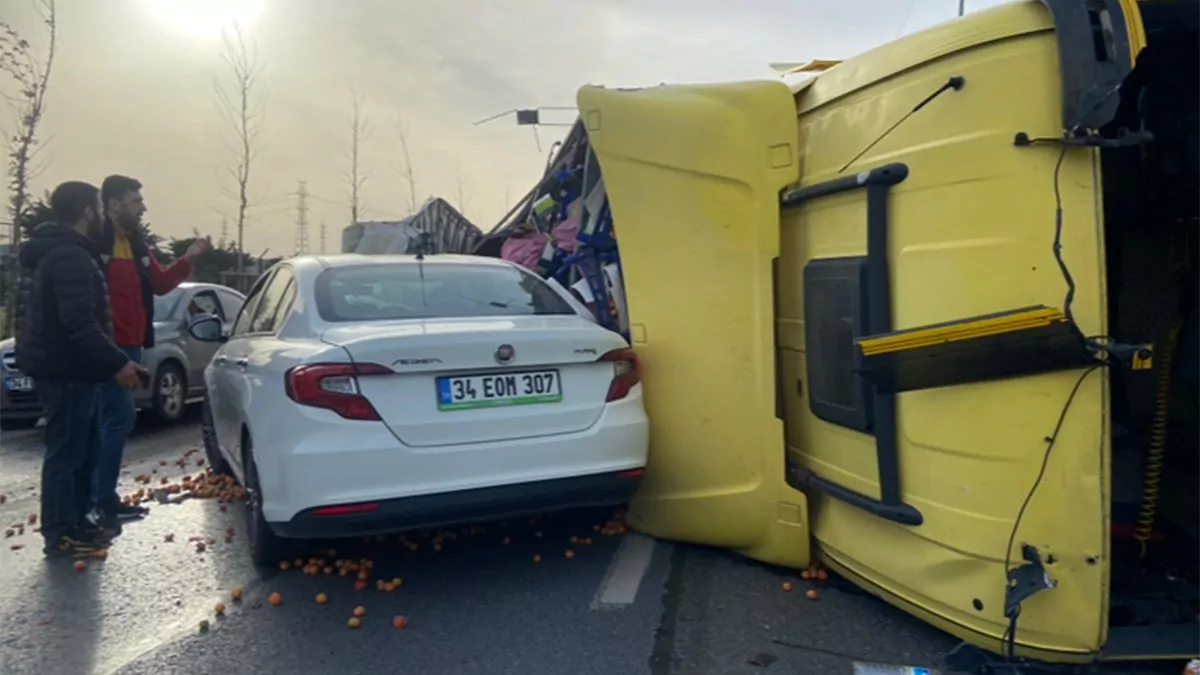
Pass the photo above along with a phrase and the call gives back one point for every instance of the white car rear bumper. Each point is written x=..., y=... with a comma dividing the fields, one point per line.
x=316, y=459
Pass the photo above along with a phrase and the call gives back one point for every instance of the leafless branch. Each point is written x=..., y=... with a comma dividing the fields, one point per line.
x=360, y=131
x=31, y=75
x=405, y=165
x=240, y=101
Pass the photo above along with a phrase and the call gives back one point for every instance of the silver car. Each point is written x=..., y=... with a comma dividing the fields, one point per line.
x=176, y=362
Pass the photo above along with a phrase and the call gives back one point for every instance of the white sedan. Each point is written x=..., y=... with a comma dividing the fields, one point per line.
x=359, y=395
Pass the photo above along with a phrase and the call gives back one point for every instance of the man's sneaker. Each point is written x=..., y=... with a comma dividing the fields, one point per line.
x=74, y=543
x=102, y=521
x=98, y=533
x=130, y=511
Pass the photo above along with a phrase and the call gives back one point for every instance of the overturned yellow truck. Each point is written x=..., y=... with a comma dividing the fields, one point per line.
x=929, y=318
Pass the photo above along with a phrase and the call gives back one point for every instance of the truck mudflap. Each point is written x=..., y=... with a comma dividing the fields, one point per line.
x=693, y=175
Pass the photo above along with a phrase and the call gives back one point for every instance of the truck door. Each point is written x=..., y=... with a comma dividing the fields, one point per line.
x=693, y=176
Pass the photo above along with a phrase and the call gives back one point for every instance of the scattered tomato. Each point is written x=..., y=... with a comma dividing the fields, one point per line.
x=354, y=622
x=32, y=518
x=285, y=566
x=397, y=582
x=787, y=587
x=400, y=623
x=360, y=585
x=80, y=566
x=275, y=599
x=806, y=575
x=359, y=611
x=822, y=575
x=236, y=594
x=812, y=594
x=219, y=610
x=570, y=554
x=389, y=587
x=322, y=598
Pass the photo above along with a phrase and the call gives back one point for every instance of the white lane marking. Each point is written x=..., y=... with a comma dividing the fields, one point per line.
x=625, y=572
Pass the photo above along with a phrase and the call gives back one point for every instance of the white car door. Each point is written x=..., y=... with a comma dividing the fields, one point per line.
x=246, y=356
x=219, y=378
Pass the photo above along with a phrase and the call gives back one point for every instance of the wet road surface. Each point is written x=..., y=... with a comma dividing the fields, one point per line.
x=481, y=605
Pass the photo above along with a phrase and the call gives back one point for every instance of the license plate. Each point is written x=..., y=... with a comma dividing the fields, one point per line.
x=19, y=384
x=493, y=391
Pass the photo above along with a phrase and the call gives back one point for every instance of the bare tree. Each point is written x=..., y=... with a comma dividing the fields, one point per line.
x=360, y=131
x=240, y=102
x=405, y=167
x=32, y=78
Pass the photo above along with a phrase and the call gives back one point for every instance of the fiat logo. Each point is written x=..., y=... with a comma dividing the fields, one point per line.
x=505, y=354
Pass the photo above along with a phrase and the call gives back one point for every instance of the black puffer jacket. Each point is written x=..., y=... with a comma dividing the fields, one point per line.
x=64, y=330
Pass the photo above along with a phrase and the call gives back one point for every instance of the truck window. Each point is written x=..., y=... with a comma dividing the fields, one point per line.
x=835, y=312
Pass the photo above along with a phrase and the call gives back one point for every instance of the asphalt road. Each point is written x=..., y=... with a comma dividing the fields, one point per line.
x=481, y=605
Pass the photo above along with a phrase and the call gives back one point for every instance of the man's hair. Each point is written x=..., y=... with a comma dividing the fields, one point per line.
x=116, y=186
x=69, y=200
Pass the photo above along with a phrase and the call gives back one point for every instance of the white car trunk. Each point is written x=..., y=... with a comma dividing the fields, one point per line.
x=449, y=387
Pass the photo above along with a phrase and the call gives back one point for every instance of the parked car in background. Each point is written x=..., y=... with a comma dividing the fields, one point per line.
x=176, y=362
x=360, y=395
x=19, y=405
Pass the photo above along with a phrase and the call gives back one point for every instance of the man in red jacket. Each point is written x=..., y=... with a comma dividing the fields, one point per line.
x=134, y=278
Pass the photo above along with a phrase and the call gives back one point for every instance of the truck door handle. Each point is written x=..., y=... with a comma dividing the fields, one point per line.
x=242, y=362
x=221, y=360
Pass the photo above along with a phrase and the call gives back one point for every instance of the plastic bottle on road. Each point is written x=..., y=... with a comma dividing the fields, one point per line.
x=882, y=669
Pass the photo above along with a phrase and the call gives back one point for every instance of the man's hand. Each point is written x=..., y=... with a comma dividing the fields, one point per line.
x=198, y=248
x=132, y=376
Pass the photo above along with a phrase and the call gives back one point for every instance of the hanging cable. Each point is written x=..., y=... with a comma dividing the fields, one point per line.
x=1010, y=634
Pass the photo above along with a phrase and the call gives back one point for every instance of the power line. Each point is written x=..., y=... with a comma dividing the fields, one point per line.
x=301, y=218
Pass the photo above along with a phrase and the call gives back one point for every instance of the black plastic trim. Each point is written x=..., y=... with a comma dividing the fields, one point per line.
x=466, y=506
x=1090, y=79
x=878, y=183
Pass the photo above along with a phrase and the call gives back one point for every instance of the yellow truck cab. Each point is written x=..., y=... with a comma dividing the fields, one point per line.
x=929, y=317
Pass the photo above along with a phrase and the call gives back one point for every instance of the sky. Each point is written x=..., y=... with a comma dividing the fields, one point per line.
x=132, y=91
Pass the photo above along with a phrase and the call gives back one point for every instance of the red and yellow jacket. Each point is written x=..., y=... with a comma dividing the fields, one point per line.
x=134, y=278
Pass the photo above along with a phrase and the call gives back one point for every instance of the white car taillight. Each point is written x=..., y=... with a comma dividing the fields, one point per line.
x=334, y=386
x=626, y=373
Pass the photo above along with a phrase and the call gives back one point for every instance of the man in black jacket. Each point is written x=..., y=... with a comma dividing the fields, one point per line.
x=65, y=343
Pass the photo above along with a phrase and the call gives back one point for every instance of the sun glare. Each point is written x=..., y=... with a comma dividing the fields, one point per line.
x=203, y=18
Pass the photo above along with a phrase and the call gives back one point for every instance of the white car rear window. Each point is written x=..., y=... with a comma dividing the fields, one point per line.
x=433, y=290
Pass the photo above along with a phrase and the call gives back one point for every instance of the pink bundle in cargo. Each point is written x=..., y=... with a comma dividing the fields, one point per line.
x=527, y=250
